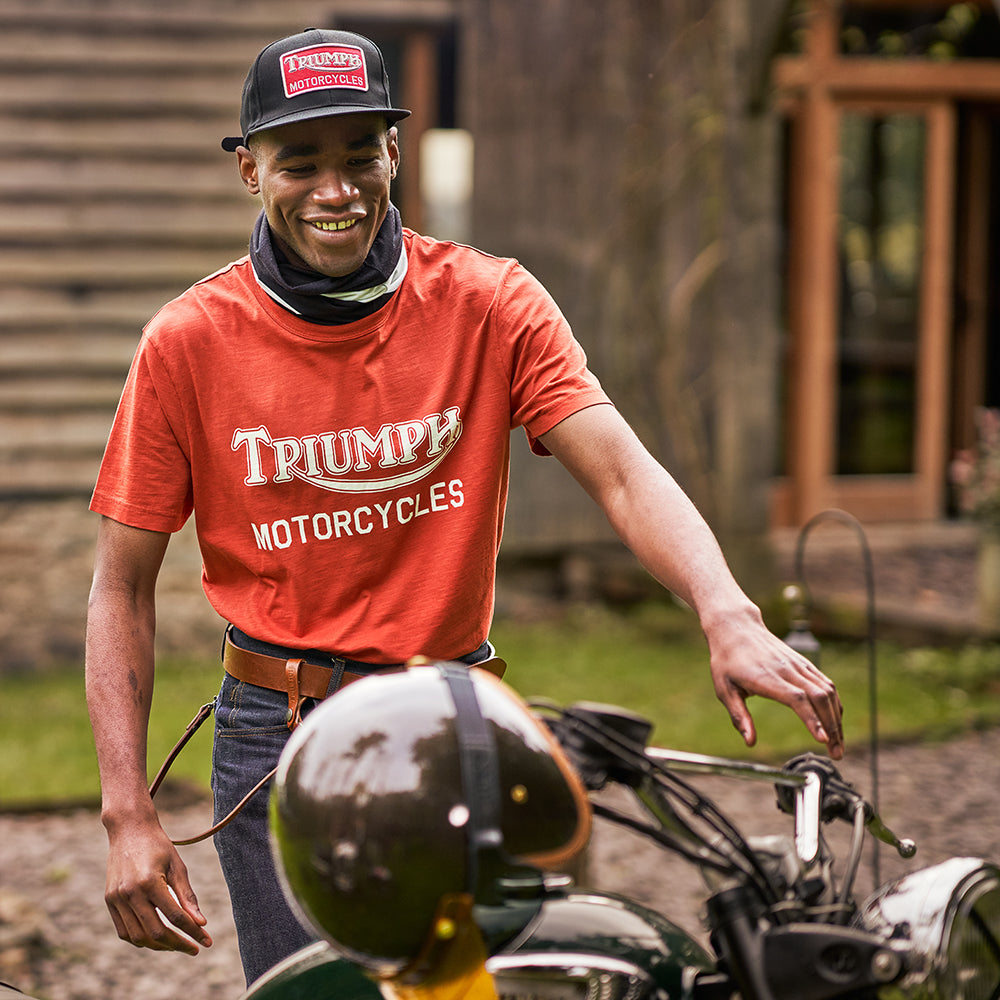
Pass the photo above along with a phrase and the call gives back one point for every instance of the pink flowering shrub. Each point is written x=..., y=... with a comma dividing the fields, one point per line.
x=976, y=472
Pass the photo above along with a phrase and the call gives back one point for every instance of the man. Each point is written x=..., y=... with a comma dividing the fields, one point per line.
x=336, y=410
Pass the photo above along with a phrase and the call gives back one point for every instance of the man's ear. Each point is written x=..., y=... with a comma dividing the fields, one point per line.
x=392, y=145
x=248, y=169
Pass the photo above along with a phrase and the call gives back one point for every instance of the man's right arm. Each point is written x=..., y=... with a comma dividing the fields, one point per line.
x=145, y=872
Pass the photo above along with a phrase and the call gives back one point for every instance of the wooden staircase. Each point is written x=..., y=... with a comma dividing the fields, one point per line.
x=114, y=197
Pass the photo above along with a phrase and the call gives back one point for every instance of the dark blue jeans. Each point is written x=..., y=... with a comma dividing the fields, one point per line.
x=250, y=733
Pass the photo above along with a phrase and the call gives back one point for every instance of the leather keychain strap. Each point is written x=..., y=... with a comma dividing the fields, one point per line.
x=293, y=718
x=192, y=727
x=233, y=813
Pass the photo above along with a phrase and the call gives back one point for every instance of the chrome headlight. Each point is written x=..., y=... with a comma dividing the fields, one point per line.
x=946, y=920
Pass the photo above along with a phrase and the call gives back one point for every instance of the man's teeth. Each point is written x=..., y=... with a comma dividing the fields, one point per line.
x=330, y=227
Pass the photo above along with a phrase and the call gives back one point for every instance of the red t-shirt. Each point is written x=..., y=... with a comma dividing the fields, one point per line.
x=348, y=482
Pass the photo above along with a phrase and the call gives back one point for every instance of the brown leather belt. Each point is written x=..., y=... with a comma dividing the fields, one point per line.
x=297, y=677
x=270, y=672
x=301, y=679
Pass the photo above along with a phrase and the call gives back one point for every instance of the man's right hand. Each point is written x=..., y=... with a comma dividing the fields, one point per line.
x=148, y=892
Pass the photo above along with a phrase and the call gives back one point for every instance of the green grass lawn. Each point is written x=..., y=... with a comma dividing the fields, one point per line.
x=652, y=661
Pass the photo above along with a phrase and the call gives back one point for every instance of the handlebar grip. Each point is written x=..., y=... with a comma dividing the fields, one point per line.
x=839, y=796
x=840, y=801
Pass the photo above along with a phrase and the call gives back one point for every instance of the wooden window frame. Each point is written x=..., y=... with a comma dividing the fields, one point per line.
x=814, y=90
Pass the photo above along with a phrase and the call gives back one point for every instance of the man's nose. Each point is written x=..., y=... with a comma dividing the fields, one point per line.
x=333, y=188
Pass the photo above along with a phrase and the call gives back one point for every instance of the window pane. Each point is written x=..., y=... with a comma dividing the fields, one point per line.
x=880, y=242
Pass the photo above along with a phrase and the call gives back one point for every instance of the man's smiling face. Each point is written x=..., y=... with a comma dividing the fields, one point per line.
x=324, y=184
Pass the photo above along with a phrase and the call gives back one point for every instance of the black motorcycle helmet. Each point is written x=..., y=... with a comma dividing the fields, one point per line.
x=412, y=814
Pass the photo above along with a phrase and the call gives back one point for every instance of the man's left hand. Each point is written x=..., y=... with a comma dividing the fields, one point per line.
x=749, y=660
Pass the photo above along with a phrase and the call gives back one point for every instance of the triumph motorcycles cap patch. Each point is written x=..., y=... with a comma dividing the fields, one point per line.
x=322, y=67
x=314, y=74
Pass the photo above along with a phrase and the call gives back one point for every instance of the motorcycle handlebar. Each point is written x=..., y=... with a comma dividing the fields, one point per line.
x=838, y=798
x=610, y=744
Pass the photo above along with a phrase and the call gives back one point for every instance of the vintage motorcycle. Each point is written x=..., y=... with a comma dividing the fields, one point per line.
x=420, y=820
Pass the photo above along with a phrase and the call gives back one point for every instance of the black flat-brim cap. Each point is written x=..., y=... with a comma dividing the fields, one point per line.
x=314, y=74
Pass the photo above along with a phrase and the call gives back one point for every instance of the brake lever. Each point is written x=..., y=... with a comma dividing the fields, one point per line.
x=905, y=847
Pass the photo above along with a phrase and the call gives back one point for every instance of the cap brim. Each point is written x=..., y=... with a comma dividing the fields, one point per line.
x=231, y=143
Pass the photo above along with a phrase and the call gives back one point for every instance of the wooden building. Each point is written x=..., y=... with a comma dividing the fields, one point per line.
x=772, y=224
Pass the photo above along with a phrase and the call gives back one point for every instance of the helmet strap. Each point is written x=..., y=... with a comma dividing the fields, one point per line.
x=480, y=773
x=506, y=894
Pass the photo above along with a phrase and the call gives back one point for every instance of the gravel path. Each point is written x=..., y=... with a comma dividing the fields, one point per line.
x=943, y=796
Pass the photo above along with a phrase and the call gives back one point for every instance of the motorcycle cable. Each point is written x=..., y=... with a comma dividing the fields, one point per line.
x=842, y=516
x=700, y=857
x=854, y=854
x=743, y=858
x=632, y=757
x=570, y=725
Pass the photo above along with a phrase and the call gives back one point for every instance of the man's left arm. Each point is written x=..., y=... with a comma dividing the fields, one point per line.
x=665, y=531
